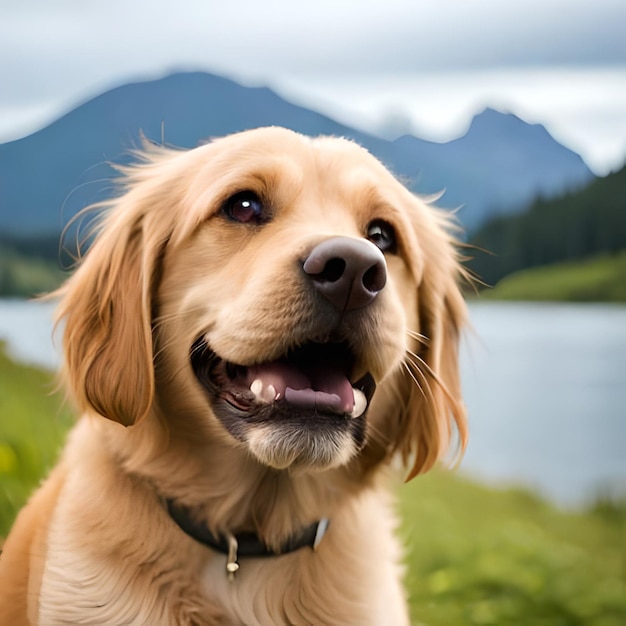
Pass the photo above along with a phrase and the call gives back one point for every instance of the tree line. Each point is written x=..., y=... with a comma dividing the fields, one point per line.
x=576, y=225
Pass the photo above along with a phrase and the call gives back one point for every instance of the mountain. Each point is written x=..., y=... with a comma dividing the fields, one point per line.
x=498, y=166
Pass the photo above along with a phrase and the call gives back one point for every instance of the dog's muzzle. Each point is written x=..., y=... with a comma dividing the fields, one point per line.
x=315, y=387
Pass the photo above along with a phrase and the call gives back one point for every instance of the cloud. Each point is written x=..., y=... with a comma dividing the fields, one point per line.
x=68, y=43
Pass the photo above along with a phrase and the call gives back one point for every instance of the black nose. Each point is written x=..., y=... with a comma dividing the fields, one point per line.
x=346, y=271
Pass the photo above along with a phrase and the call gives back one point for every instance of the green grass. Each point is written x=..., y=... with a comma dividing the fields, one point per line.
x=476, y=555
x=600, y=279
x=484, y=556
x=32, y=431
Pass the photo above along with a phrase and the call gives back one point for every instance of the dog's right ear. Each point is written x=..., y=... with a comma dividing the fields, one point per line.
x=106, y=307
x=433, y=403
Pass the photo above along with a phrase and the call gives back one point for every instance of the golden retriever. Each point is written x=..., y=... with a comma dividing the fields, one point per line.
x=260, y=327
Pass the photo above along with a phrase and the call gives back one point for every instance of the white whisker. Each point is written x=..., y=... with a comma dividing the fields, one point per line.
x=435, y=377
x=416, y=372
x=423, y=339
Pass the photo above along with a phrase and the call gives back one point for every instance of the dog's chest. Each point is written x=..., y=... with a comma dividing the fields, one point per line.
x=255, y=594
x=298, y=588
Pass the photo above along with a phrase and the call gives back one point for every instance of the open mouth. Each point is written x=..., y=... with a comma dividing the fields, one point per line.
x=314, y=379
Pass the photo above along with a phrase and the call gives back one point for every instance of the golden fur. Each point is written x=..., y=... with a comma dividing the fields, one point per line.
x=95, y=544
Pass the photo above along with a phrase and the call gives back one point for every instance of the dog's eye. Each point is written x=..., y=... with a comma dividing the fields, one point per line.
x=245, y=207
x=382, y=235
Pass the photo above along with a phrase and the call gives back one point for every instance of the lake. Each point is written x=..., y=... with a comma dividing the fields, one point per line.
x=545, y=386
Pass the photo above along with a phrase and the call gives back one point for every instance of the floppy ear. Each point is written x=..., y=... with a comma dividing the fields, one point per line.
x=106, y=306
x=432, y=390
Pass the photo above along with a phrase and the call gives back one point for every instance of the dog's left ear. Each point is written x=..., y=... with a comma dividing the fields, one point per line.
x=433, y=399
x=106, y=306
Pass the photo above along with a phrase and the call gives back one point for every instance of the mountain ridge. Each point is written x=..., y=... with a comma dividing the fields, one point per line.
x=46, y=177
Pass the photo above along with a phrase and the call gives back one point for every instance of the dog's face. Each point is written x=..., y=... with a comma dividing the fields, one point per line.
x=291, y=298
x=286, y=295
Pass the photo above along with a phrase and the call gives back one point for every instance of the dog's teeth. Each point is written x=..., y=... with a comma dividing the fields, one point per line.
x=263, y=393
x=269, y=393
x=360, y=403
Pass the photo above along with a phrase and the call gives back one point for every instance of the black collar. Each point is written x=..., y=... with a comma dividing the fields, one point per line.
x=244, y=544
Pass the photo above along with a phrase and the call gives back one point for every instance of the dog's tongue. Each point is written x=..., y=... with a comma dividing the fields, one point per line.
x=312, y=386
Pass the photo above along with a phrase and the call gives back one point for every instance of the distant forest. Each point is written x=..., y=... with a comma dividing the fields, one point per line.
x=577, y=225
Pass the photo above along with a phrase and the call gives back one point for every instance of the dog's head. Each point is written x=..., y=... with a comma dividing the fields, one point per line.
x=282, y=293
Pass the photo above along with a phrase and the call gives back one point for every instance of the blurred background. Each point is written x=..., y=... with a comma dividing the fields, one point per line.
x=515, y=112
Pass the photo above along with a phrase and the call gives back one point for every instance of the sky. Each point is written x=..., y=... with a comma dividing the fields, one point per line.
x=385, y=66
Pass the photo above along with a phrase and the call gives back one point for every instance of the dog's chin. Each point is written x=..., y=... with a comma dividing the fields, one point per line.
x=300, y=411
x=297, y=444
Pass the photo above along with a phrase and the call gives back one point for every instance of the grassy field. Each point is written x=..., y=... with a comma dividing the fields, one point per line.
x=476, y=555
x=601, y=279
x=32, y=431
x=482, y=556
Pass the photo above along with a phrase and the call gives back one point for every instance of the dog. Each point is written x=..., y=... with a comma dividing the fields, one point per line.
x=262, y=328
